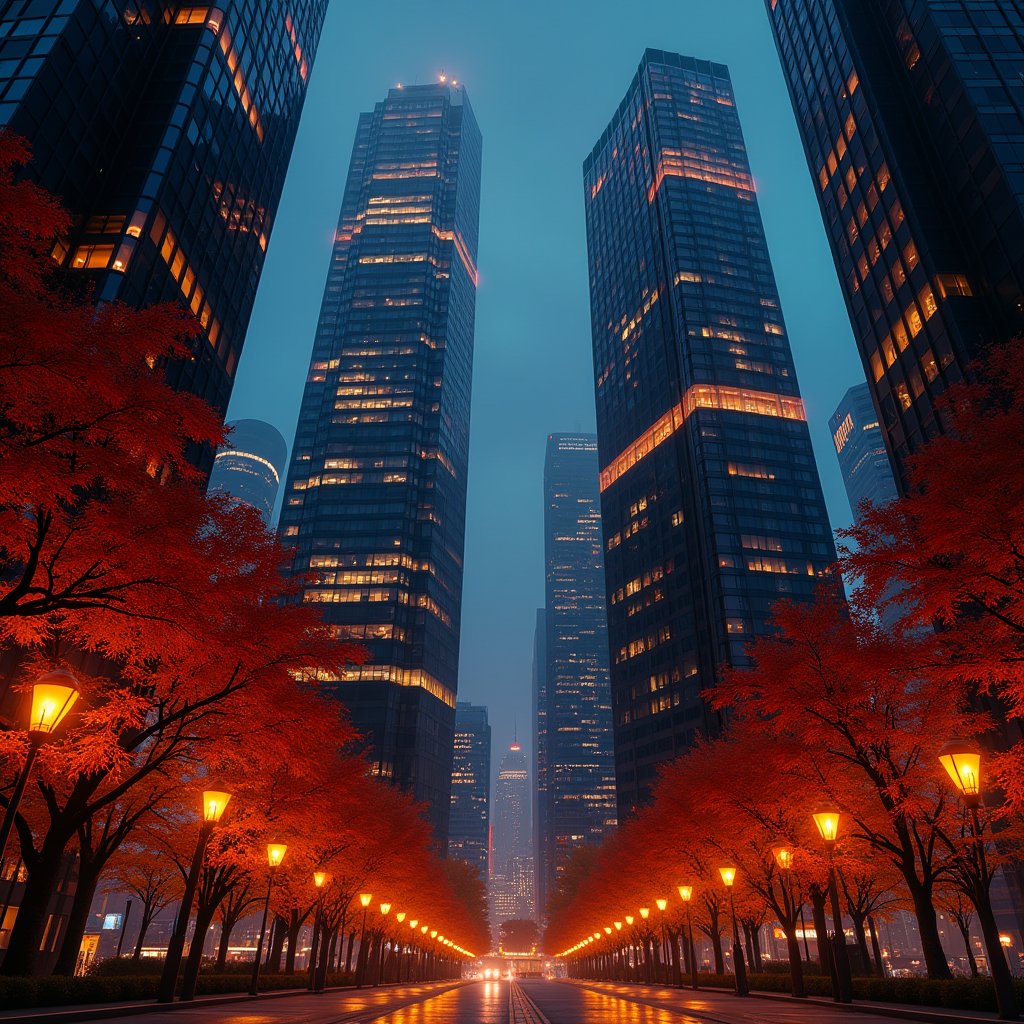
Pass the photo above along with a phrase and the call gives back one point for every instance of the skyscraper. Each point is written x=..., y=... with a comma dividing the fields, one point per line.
x=540, y=763
x=710, y=499
x=250, y=465
x=577, y=792
x=860, y=449
x=375, y=503
x=166, y=129
x=470, y=819
x=912, y=119
x=512, y=870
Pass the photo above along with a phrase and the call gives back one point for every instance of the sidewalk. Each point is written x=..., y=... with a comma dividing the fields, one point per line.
x=723, y=1007
x=329, y=1004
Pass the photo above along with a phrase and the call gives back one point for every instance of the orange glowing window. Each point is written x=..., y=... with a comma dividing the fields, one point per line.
x=852, y=82
x=463, y=252
x=92, y=257
x=699, y=166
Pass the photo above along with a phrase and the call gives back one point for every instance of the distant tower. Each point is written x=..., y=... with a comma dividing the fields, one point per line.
x=860, y=448
x=573, y=708
x=250, y=465
x=469, y=822
x=512, y=895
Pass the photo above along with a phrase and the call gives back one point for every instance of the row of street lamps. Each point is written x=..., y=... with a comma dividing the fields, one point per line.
x=962, y=761
x=215, y=802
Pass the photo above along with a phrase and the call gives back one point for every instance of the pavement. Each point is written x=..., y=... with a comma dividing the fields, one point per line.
x=501, y=1002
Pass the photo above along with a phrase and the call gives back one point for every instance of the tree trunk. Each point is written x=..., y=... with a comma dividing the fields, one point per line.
x=820, y=928
x=1006, y=996
x=227, y=925
x=277, y=935
x=348, y=955
x=876, y=948
x=862, y=942
x=148, y=913
x=294, y=927
x=78, y=918
x=796, y=967
x=928, y=926
x=971, y=962
x=23, y=953
x=755, y=938
x=204, y=918
x=716, y=945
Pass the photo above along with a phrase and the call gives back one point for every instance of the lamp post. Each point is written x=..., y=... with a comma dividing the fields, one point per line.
x=661, y=905
x=686, y=895
x=962, y=761
x=827, y=820
x=319, y=880
x=783, y=856
x=632, y=948
x=363, y=961
x=275, y=854
x=648, y=945
x=53, y=696
x=385, y=909
x=214, y=804
x=618, y=950
x=400, y=918
x=738, y=964
x=414, y=955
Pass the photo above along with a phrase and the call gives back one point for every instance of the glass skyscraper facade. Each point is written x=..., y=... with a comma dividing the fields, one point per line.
x=375, y=502
x=574, y=758
x=912, y=119
x=166, y=129
x=860, y=449
x=512, y=867
x=249, y=466
x=710, y=499
x=469, y=830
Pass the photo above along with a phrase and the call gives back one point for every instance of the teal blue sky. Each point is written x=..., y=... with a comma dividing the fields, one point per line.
x=544, y=79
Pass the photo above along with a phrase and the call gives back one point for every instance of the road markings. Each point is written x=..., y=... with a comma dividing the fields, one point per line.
x=521, y=1008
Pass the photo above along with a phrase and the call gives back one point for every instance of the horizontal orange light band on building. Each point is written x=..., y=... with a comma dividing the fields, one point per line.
x=676, y=164
x=460, y=248
x=701, y=396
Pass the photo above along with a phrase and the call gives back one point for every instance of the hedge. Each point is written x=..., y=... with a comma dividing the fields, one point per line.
x=21, y=993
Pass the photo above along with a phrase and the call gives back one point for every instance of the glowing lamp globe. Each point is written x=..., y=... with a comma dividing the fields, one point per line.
x=365, y=898
x=607, y=930
x=275, y=854
x=783, y=857
x=424, y=930
x=685, y=893
x=629, y=919
x=433, y=933
x=728, y=876
x=962, y=761
x=618, y=926
x=214, y=805
x=319, y=879
x=400, y=916
x=53, y=696
x=827, y=821
x=661, y=904
x=645, y=912
x=414, y=925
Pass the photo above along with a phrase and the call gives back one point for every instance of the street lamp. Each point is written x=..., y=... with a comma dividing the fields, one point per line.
x=275, y=854
x=385, y=909
x=739, y=966
x=661, y=905
x=827, y=820
x=53, y=696
x=686, y=895
x=319, y=880
x=365, y=898
x=214, y=804
x=962, y=761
